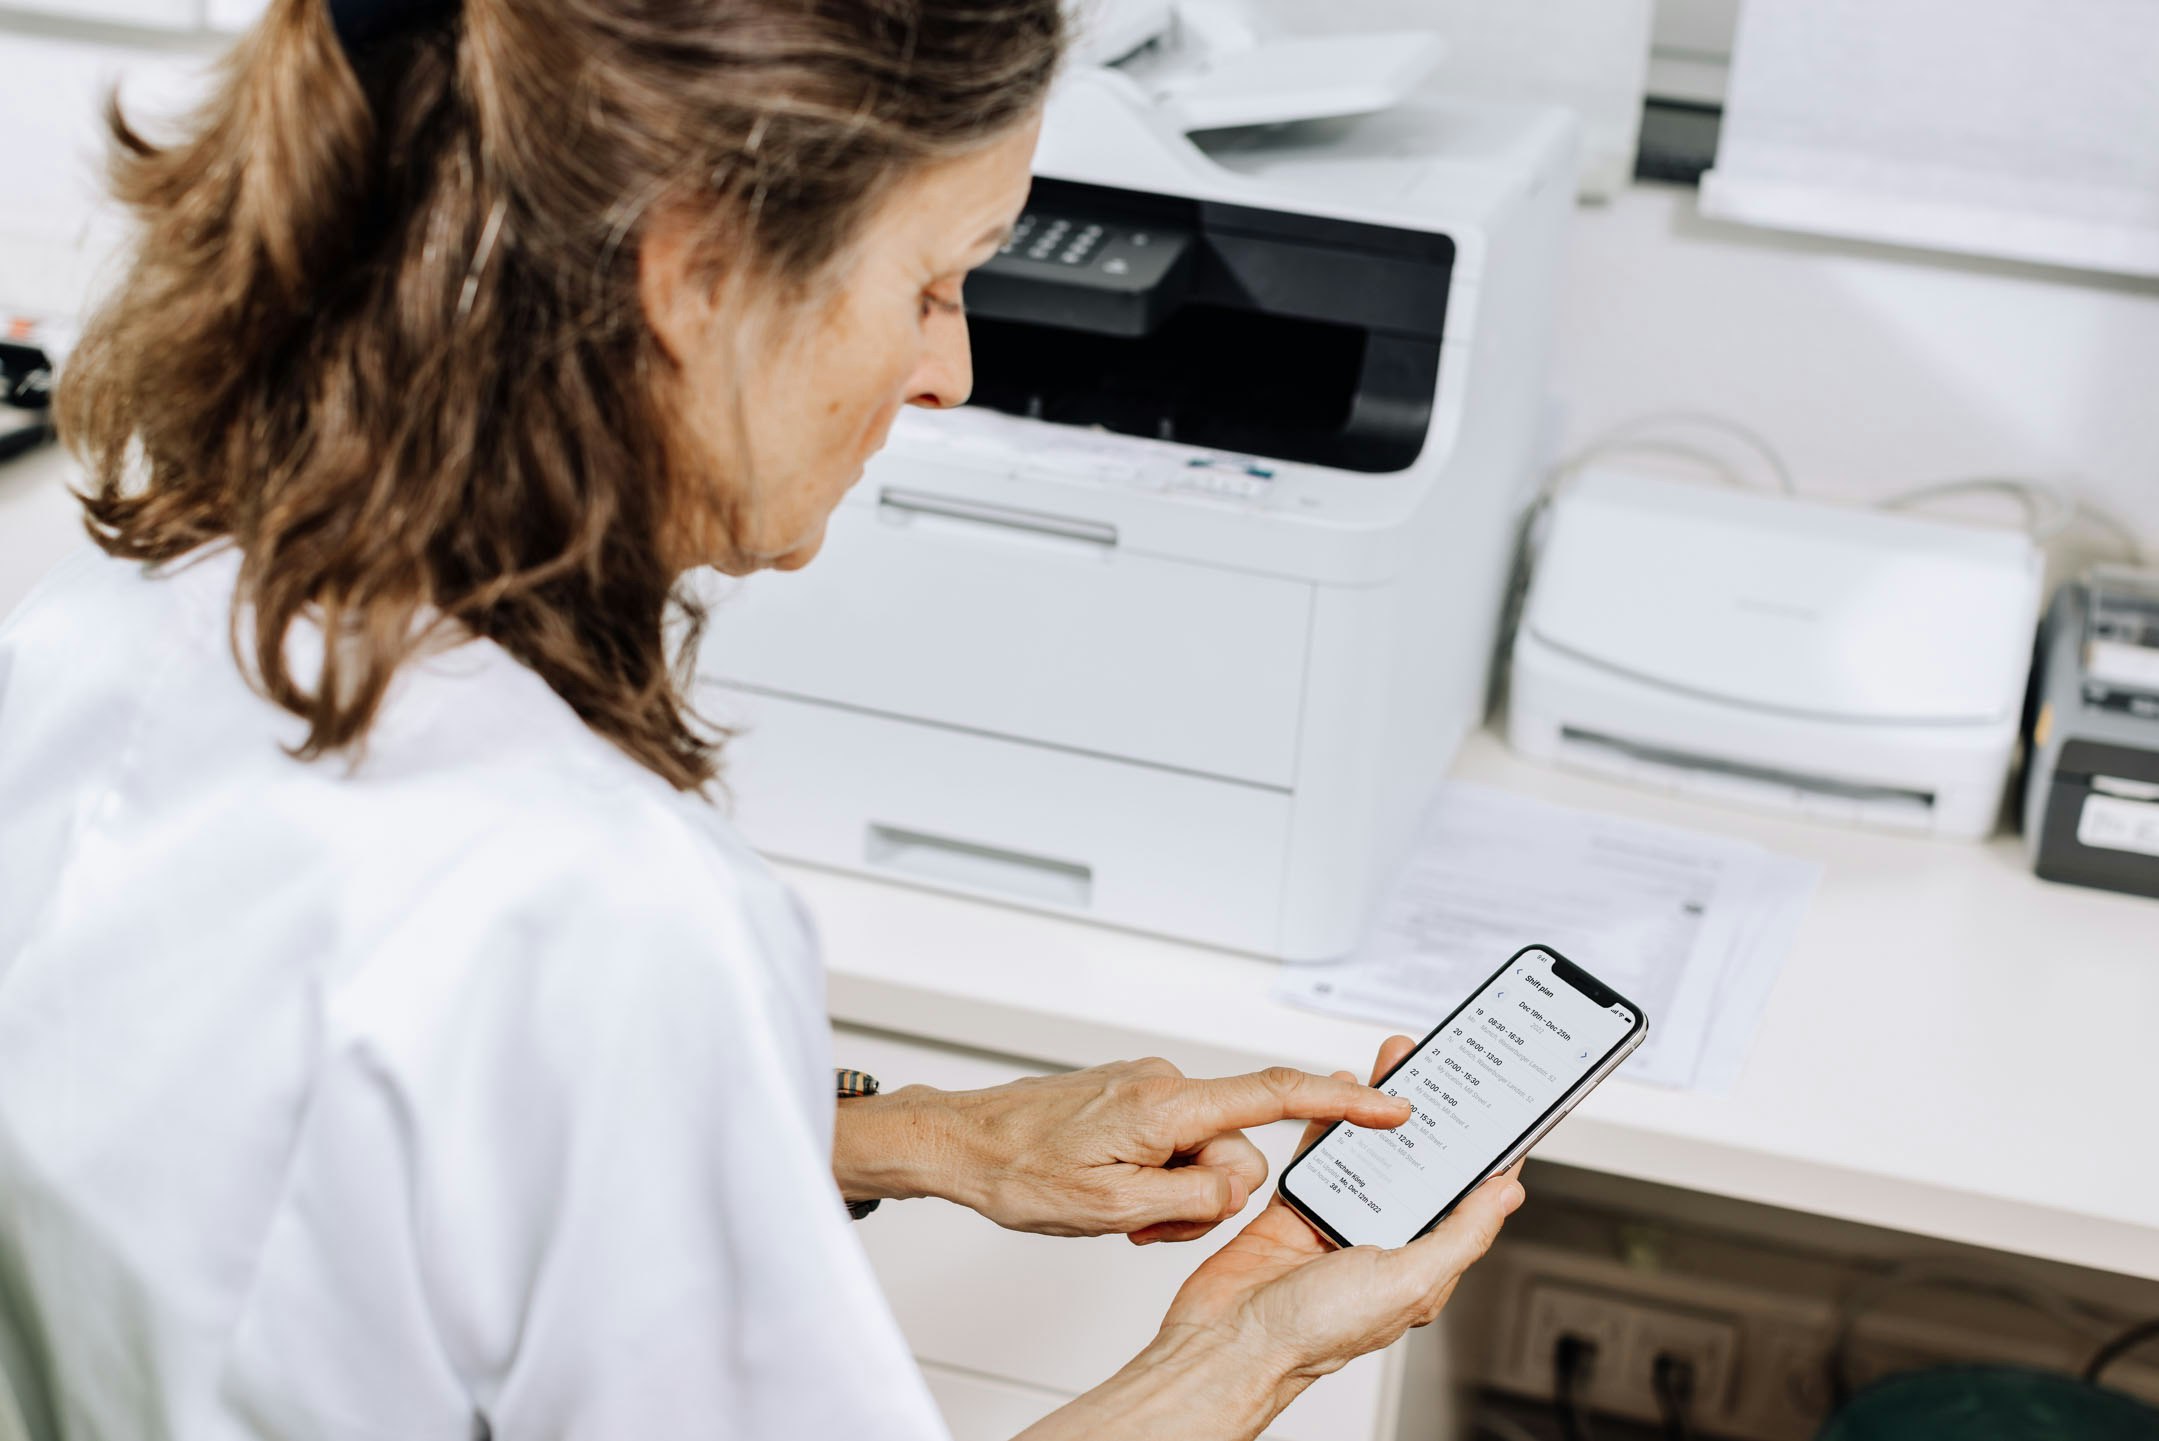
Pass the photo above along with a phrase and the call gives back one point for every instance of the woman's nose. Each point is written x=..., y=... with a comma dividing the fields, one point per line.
x=946, y=376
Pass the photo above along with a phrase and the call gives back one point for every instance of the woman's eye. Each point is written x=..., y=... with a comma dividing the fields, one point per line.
x=935, y=304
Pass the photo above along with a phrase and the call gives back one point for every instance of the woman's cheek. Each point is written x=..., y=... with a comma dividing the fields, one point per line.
x=881, y=424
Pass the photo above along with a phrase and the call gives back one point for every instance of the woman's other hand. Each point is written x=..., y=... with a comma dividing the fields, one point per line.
x=1276, y=1309
x=1134, y=1147
x=1278, y=1290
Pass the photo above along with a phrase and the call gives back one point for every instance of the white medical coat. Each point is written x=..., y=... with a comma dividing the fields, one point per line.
x=482, y=1090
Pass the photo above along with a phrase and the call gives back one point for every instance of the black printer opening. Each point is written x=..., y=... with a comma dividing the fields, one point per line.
x=1271, y=334
x=1268, y=385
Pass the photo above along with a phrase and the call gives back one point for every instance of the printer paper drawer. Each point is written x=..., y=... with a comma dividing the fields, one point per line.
x=1128, y=845
x=1040, y=634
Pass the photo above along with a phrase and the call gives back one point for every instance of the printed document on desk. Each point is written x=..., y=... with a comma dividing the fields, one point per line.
x=1691, y=927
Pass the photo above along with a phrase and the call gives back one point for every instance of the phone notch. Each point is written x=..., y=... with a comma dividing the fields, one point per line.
x=1599, y=993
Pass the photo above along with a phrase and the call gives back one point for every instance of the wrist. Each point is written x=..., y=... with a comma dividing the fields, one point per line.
x=894, y=1147
x=1192, y=1383
x=1199, y=1372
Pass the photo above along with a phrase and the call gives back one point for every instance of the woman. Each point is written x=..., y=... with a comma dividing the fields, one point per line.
x=395, y=1039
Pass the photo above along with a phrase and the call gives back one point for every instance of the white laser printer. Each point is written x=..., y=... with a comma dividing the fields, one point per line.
x=1849, y=665
x=1177, y=625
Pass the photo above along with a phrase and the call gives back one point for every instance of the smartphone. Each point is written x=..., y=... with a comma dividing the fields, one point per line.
x=1484, y=1087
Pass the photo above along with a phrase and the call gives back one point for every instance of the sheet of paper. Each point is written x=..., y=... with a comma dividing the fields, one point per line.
x=1692, y=928
x=1783, y=888
x=2020, y=128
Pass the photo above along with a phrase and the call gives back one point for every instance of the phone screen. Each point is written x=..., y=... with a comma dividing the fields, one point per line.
x=1481, y=1083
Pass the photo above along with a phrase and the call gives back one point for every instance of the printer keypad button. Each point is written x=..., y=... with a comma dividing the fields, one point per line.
x=1063, y=240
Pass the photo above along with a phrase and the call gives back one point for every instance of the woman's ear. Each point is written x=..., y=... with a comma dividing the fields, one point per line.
x=675, y=286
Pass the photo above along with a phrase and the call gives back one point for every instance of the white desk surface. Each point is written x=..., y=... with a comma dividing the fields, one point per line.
x=1956, y=1049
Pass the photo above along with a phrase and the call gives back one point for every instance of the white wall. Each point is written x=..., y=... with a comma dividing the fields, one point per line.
x=1873, y=369
x=55, y=228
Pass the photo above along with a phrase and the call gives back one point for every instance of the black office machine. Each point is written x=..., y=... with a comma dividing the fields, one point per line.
x=26, y=384
x=2091, y=790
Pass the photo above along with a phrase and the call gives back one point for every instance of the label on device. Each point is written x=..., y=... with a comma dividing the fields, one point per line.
x=2114, y=824
x=1481, y=1084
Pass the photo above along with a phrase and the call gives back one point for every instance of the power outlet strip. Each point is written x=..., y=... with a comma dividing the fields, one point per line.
x=1629, y=1335
x=1761, y=1357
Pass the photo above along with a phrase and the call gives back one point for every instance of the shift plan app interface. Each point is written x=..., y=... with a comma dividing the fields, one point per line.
x=1480, y=1084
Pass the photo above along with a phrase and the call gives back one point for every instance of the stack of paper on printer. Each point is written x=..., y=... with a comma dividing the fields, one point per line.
x=1693, y=928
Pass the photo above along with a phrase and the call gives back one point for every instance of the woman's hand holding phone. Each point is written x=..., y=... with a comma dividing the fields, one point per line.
x=1286, y=1291
x=1277, y=1308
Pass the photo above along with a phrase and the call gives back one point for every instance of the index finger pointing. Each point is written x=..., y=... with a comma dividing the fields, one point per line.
x=1285, y=1093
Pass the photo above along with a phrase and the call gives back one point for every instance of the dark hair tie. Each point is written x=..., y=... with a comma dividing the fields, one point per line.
x=360, y=23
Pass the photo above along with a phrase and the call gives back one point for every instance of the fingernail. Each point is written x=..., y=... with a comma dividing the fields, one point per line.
x=1515, y=1196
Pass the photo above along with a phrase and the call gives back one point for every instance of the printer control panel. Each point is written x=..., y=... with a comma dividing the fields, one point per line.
x=1242, y=482
x=1107, y=253
x=1093, y=272
x=1230, y=477
x=995, y=446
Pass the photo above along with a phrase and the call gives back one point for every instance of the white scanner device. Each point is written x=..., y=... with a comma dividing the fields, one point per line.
x=1845, y=664
x=1177, y=626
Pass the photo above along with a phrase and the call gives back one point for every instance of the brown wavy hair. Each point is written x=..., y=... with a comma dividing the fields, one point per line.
x=382, y=328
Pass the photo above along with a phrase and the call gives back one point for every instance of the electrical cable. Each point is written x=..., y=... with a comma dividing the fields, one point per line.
x=1640, y=433
x=2132, y=548
x=2027, y=494
x=1672, y=1378
x=2049, y=511
x=2119, y=1347
x=1635, y=434
x=1572, y=1361
x=2073, y=1316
